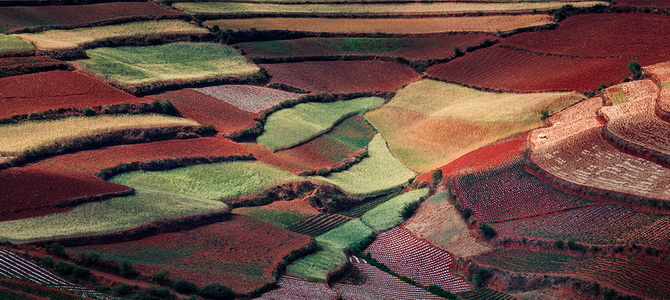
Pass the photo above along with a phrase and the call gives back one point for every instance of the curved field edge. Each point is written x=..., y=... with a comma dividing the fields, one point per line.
x=301, y=123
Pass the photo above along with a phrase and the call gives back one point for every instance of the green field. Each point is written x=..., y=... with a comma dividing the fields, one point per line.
x=16, y=138
x=389, y=214
x=291, y=126
x=9, y=43
x=276, y=217
x=430, y=123
x=218, y=181
x=373, y=9
x=164, y=63
x=111, y=215
x=71, y=38
x=374, y=175
x=315, y=267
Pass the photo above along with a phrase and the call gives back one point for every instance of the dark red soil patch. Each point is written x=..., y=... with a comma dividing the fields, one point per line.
x=10, y=66
x=415, y=48
x=208, y=110
x=515, y=70
x=483, y=158
x=35, y=290
x=31, y=193
x=644, y=3
x=85, y=163
x=29, y=16
x=241, y=253
x=342, y=76
x=601, y=35
x=56, y=89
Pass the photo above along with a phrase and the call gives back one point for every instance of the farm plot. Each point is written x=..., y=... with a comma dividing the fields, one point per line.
x=377, y=174
x=318, y=224
x=56, y=89
x=17, y=289
x=17, y=267
x=31, y=193
x=281, y=218
x=629, y=275
x=111, y=215
x=10, y=66
x=485, y=294
x=578, y=154
x=635, y=125
x=486, y=157
x=389, y=214
x=250, y=98
x=584, y=109
x=217, y=182
x=509, y=69
x=379, y=284
x=508, y=192
x=294, y=288
x=317, y=266
x=598, y=224
x=408, y=256
x=298, y=124
x=430, y=123
x=342, y=76
x=490, y=24
x=345, y=139
x=77, y=15
x=11, y=45
x=643, y=3
x=594, y=31
x=241, y=253
x=230, y=8
x=57, y=39
x=208, y=110
x=360, y=210
x=166, y=63
x=15, y=138
x=415, y=48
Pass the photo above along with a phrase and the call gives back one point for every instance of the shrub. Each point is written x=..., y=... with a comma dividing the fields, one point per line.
x=544, y=114
x=89, y=112
x=487, y=231
x=559, y=244
x=563, y=12
x=166, y=107
x=48, y=261
x=123, y=290
x=161, y=277
x=437, y=290
x=635, y=68
x=481, y=276
x=57, y=249
x=458, y=52
x=216, y=291
x=436, y=177
x=185, y=287
x=409, y=209
x=595, y=289
x=128, y=270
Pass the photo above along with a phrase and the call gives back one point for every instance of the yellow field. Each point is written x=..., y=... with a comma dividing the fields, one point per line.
x=71, y=38
x=430, y=123
x=16, y=138
x=386, y=25
x=374, y=9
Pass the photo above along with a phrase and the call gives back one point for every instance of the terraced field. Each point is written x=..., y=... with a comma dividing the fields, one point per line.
x=253, y=99
x=318, y=224
x=489, y=24
x=430, y=123
x=389, y=214
x=10, y=66
x=290, y=287
x=10, y=45
x=169, y=62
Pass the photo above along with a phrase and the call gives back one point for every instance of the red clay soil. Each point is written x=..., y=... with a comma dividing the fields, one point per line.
x=342, y=76
x=644, y=3
x=35, y=291
x=28, y=16
x=515, y=70
x=43, y=91
x=240, y=253
x=601, y=35
x=85, y=163
x=483, y=158
x=208, y=110
x=10, y=66
x=415, y=48
x=31, y=193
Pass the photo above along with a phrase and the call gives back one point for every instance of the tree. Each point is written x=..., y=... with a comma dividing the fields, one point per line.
x=635, y=68
x=437, y=177
x=487, y=231
x=216, y=291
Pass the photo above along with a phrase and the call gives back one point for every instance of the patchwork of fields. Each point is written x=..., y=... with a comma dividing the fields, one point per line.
x=476, y=149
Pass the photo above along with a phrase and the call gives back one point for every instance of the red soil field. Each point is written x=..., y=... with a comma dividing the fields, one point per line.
x=345, y=140
x=483, y=158
x=290, y=287
x=30, y=193
x=28, y=16
x=342, y=76
x=409, y=256
x=515, y=70
x=56, y=89
x=29, y=64
x=208, y=110
x=414, y=48
x=85, y=163
x=593, y=35
x=241, y=253
x=644, y=3
x=34, y=291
